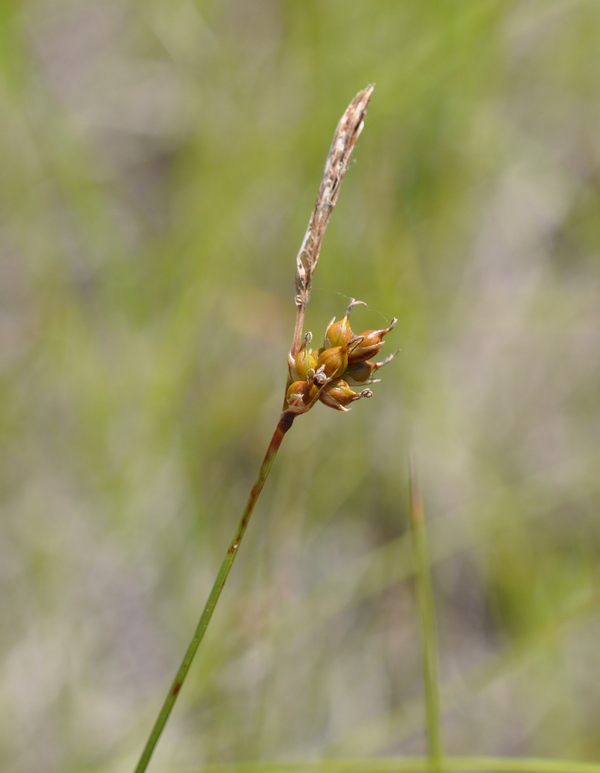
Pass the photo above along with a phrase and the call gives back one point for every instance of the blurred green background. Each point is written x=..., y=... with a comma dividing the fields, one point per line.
x=160, y=160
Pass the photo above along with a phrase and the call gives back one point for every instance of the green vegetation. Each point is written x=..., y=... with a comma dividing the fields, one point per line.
x=159, y=164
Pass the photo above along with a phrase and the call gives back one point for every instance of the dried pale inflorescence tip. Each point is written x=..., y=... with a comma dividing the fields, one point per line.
x=326, y=374
x=344, y=140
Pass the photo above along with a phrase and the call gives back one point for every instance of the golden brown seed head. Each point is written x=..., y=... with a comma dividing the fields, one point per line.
x=332, y=363
x=300, y=396
x=327, y=373
x=360, y=372
x=302, y=363
x=372, y=341
x=338, y=395
x=338, y=333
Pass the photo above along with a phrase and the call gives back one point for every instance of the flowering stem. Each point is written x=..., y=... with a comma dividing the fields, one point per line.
x=282, y=427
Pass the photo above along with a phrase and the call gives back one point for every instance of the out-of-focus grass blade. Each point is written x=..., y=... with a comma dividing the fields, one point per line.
x=409, y=765
x=427, y=617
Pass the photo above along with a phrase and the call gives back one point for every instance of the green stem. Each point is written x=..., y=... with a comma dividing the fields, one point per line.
x=282, y=427
x=427, y=615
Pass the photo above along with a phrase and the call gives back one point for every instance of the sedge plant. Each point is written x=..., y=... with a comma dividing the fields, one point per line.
x=325, y=374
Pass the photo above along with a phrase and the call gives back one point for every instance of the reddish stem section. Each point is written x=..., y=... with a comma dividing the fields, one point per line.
x=286, y=421
x=284, y=424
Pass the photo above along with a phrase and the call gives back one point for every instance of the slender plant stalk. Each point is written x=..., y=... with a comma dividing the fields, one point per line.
x=427, y=616
x=336, y=165
x=282, y=427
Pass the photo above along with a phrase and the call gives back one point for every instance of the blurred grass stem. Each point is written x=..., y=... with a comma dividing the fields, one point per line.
x=283, y=426
x=427, y=617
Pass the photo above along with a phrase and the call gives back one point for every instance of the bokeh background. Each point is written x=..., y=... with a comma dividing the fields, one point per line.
x=159, y=161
